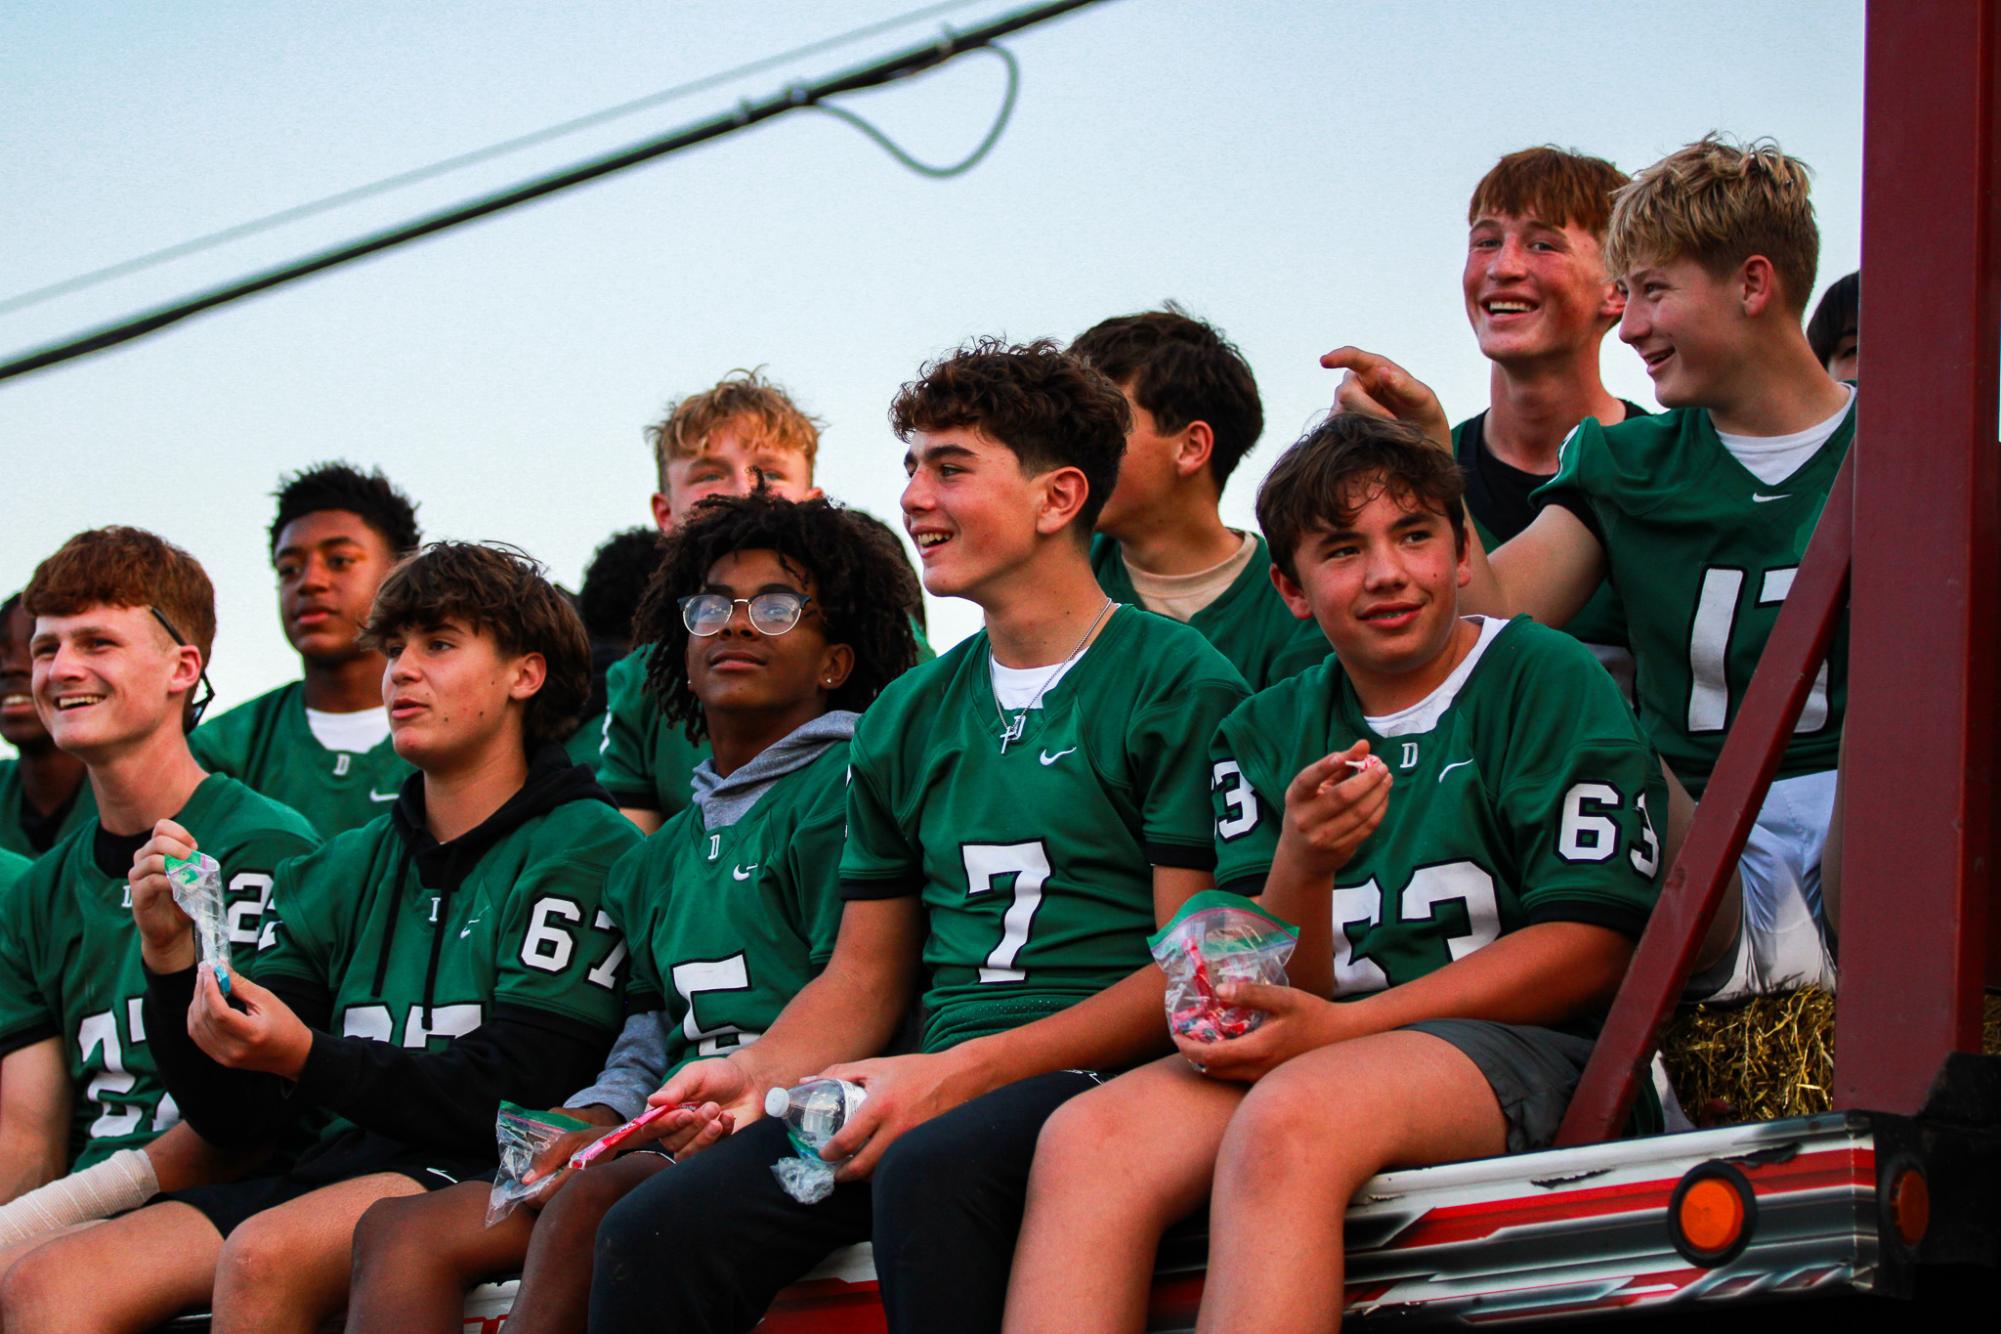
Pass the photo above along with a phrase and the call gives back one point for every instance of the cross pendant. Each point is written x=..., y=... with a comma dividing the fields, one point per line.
x=1012, y=732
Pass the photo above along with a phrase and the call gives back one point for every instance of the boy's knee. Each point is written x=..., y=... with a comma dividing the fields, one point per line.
x=383, y=1234
x=256, y=1262
x=31, y=1290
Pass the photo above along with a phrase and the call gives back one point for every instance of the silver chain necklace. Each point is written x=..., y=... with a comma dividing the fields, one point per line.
x=1011, y=731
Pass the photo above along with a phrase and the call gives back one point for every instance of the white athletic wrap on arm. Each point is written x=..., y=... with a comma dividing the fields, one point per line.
x=123, y=1181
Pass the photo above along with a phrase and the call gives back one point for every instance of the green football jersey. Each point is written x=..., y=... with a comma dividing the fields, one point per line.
x=20, y=832
x=1525, y=793
x=1035, y=863
x=12, y=864
x=642, y=761
x=1249, y=624
x=1702, y=553
x=586, y=744
x=418, y=948
x=268, y=744
x=69, y=955
x=727, y=924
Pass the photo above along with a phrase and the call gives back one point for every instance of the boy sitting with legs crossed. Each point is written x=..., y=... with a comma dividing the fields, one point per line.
x=1457, y=810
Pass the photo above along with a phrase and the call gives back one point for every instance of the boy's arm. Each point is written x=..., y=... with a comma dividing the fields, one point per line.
x=1119, y=1026
x=35, y=1098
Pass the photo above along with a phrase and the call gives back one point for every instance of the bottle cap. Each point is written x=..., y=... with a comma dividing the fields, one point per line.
x=776, y=1101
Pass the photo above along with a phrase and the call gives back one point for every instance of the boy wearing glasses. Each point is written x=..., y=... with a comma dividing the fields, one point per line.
x=773, y=624
x=1022, y=813
x=411, y=974
x=321, y=743
x=123, y=624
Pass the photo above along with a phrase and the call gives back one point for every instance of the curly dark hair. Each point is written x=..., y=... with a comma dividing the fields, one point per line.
x=1049, y=407
x=342, y=486
x=862, y=585
x=1325, y=478
x=614, y=582
x=504, y=592
x=1181, y=370
x=1838, y=314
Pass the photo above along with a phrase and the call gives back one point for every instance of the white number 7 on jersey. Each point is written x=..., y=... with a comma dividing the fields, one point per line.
x=987, y=864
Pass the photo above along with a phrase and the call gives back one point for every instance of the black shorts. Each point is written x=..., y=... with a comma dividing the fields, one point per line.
x=1532, y=1071
x=227, y=1204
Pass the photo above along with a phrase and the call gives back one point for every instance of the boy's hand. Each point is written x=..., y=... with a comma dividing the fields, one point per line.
x=1331, y=808
x=903, y=1093
x=722, y=1097
x=1378, y=386
x=166, y=934
x=265, y=1035
x=1295, y=1022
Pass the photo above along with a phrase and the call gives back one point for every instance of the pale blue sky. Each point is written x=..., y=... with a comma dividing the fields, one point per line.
x=1297, y=173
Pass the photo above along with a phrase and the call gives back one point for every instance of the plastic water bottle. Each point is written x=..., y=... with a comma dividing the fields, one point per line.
x=814, y=1111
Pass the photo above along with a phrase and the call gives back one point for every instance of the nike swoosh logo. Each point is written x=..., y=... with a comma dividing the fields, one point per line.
x=390, y=795
x=1450, y=767
x=743, y=872
x=1047, y=758
x=468, y=928
x=1757, y=499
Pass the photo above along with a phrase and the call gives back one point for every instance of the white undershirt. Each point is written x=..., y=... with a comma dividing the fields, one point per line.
x=1014, y=687
x=359, y=732
x=1424, y=715
x=1773, y=458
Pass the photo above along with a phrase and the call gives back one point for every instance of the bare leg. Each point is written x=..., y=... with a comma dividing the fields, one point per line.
x=1113, y=1169
x=130, y=1273
x=11, y=1255
x=287, y=1268
x=556, y=1281
x=1305, y=1139
x=416, y=1256
x=1723, y=928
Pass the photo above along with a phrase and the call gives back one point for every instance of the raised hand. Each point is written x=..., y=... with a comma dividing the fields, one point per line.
x=166, y=934
x=1378, y=386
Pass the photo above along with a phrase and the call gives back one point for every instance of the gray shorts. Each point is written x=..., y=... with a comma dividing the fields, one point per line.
x=1532, y=1071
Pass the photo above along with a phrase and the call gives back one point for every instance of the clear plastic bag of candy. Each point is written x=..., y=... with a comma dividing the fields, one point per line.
x=1219, y=937
x=524, y=1136
x=197, y=886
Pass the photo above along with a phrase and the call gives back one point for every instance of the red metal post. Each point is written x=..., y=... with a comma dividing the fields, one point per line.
x=1919, y=769
x=1730, y=802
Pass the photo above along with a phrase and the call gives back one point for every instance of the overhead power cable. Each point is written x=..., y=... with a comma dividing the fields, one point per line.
x=313, y=208
x=901, y=65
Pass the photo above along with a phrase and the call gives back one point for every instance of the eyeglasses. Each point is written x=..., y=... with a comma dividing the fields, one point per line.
x=772, y=613
x=200, y=705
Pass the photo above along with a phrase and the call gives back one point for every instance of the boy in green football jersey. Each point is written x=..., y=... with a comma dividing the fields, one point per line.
x=614, y=581
x=123, y=625
x=1700, y=517
x=1161, y=543
x=411, y=974
x=321, y=744
x=1457, y=811
x=1022, y=812
x=43, y=795
x=728, y=910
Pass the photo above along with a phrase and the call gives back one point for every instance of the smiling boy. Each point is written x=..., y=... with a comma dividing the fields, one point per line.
x=774, y=624
x=43, y=795
x=122, y=628
x=1457, y=810
x=1021, y=813
x=321, y=744
x=411, y=974
x=1700, y=516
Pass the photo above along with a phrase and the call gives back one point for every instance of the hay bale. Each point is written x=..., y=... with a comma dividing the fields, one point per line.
x=1766, y=1058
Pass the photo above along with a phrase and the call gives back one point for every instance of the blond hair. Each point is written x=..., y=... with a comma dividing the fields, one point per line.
x=1720, y=203
x=741, y=395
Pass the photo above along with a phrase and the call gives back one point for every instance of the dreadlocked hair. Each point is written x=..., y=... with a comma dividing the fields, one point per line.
x=862, y=586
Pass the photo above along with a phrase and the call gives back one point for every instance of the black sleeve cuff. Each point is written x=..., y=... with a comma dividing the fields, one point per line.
x=26, y=1037
x=1182, y=855
x=879, y=889
x=634, y=800
x=1627, y=921
x=1250, y=886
